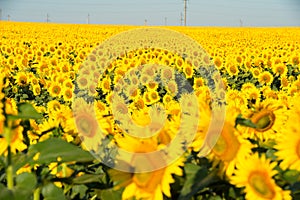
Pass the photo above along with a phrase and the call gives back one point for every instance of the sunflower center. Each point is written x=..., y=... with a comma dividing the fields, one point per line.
x=261, y=184
x=86, y=126
x=142, y=179
x=263, y=120
x=146, y=180
x=227, y=145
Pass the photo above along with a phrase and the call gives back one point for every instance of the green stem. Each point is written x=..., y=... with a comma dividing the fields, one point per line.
x=36, y=194
x=9, y=171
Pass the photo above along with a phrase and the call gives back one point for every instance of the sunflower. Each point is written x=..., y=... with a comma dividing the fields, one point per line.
x=280, y=70
x=36, y=89
x=255, y=174
x=230, y=147
x=188, y=71
x=13, y=137
x=105, y=85
x=21, y=79
x=167, y=74
x=284, y=82
x=198, y=83
x=145, y=185
x=55, y=89
x=269, y=116
x=265, y=78
x=172, y=87
x=67, y=94
x=236, y=99
x=87, y=124
x=232, y=69
x=288, y=145
x=218, y=61
x=255, y=72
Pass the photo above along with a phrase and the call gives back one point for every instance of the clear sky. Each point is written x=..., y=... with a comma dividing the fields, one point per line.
x=156, y=12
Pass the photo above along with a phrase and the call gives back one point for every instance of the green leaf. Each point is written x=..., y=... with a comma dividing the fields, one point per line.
x=79, y=189
x=197, y=178
x=51, y=192
x=271, y=154
x=26, y=181
x=6, y=193
x=110, y=194
x=87, y=178
x=215, y=198
x=55, y=149
x=291, y=176
x=244, y=122
x=15, y=194
x=26, y=111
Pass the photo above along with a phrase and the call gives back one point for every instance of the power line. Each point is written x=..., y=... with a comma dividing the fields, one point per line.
x=47, y=18
x=181, y=19
x=185, y=8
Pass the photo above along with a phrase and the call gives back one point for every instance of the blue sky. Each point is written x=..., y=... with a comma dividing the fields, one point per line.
x=199, y=12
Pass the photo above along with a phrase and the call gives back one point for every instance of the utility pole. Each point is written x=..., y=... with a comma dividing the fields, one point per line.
x=166, y=21
x=185, y=8
x=241, y=23
x=145, y=23
x=47, y=18
x=181, y=19
x=88, y=18
x=8, y=17
x=0, y=14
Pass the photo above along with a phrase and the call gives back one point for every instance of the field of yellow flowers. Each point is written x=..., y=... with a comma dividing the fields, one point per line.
x=49, y=140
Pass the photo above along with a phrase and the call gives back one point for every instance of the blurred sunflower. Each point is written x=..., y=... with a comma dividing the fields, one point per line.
x=288, y=144
x=230, y=147
x=145, y=185
x=255, y=174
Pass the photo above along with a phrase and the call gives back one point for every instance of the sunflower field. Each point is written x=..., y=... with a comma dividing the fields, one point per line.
x=55, y=102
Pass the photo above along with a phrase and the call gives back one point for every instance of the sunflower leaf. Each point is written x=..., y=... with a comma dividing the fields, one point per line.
x=244, y=122
x=55, y=149
x=51, y=192
x=26, y=111
x=197, y=178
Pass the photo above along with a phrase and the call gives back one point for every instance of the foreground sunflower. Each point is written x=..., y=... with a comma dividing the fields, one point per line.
x=255, y=175
x=269, y=116
x=230, y=146
x=288, y=145
x=146, y=185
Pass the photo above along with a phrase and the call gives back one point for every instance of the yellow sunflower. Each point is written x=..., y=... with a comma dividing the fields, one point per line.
x=269, y=116
x=21, y=79
x=13, y=137
x=55, y=89
x=265, y=78
x=146, y=185
x=87, y=124
x=279, y=70
x=230, y=147
x=288, y=145
x=255, y=174
x=232, y=69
